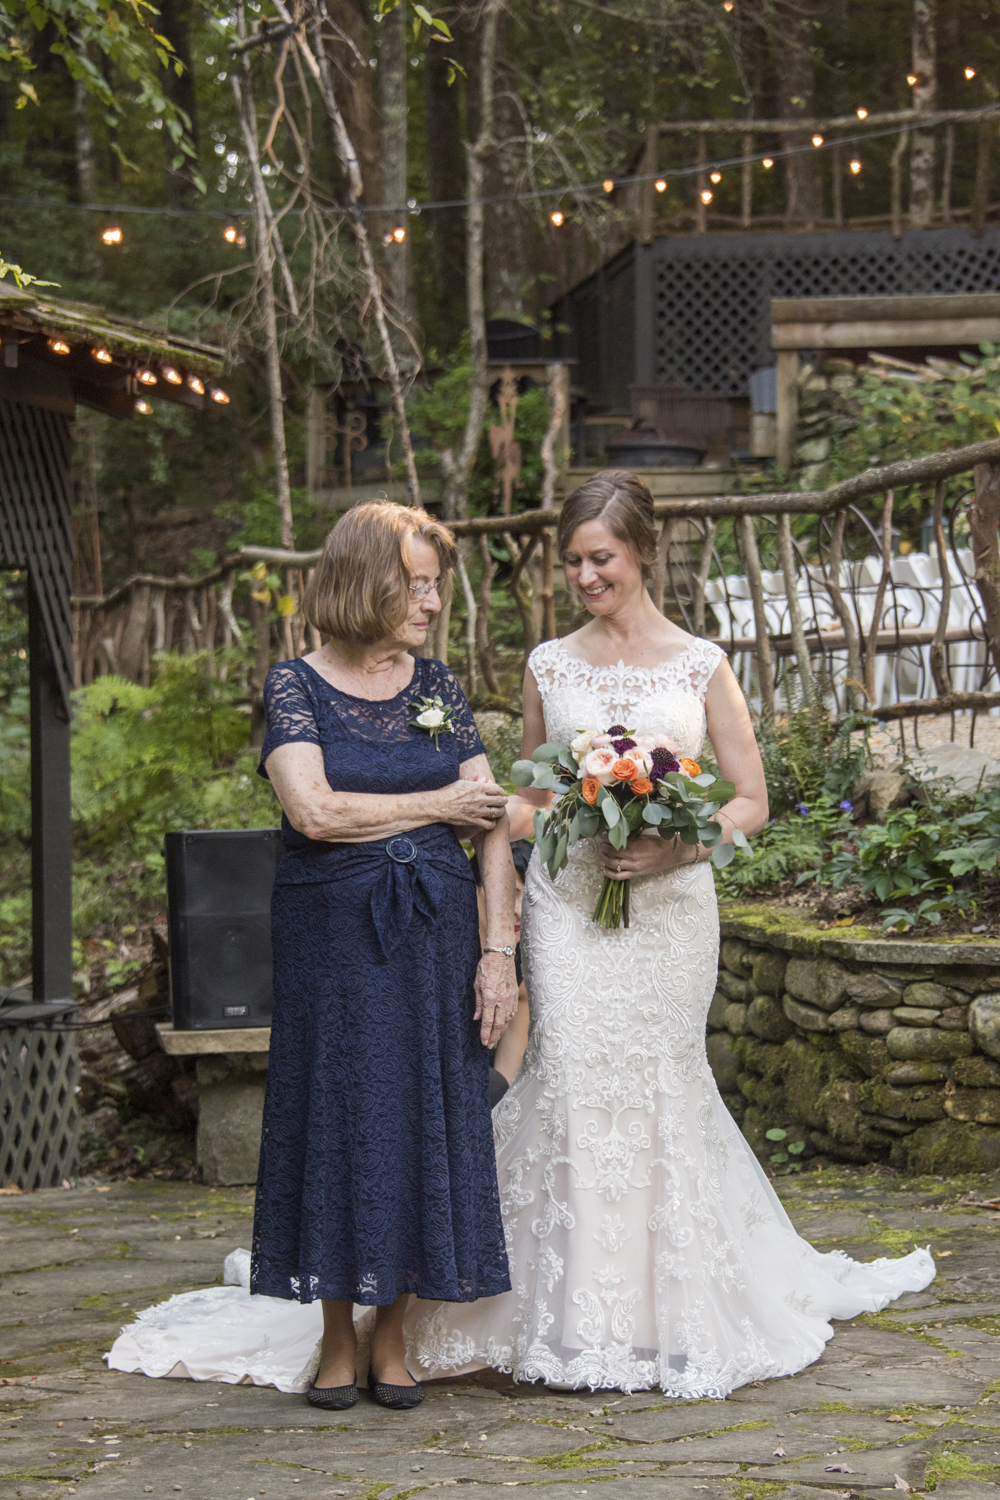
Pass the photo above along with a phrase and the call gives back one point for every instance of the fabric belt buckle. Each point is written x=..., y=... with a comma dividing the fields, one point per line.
x=401, y=851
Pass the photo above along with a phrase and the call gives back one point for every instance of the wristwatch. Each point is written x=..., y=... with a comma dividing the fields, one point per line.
x=507, y=952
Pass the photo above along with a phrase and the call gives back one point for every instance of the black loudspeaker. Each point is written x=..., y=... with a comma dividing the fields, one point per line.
x=219, y=916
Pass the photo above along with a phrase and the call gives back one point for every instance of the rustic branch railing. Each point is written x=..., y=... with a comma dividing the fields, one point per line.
x=831, y=604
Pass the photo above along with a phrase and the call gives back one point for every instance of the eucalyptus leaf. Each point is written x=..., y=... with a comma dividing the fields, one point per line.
x=551, y=751
x=741, y=841
x=568, y=761
x=522, y=772
x=723, y=855
x=618, y=835
x=560, y=855
x=544, y=778
x=611, y=811
x=652, y=813
x=589, y=820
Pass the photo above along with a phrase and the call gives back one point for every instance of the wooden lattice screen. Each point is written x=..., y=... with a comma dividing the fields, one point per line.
x=39, y=1115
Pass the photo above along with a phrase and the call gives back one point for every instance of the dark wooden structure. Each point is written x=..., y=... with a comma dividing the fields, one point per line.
x=53, y=355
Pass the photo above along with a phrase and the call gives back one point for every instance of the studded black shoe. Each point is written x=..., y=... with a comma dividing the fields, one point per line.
x=334, y=1397
x=395, y=1397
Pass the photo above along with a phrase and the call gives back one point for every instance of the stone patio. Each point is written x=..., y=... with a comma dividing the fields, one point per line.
x=909, y=1400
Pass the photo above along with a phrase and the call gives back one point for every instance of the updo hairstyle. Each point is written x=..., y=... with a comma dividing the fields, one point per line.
x=359, y=591
x=623, y=502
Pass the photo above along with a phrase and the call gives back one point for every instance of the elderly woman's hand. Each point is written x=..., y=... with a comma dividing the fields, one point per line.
x=496, y=996
x=470, y=803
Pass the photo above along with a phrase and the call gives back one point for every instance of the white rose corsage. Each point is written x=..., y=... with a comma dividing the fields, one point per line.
x=434, y=716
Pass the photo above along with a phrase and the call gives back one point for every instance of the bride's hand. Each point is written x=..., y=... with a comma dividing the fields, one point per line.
x=645, y=855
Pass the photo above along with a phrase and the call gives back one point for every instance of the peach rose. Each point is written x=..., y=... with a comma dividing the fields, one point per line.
x=600, y=741
x=598, y=764
x=690, y=766
x=645, y=742
x=590, y=788
x=642, y=786
x=664, y=742
x=624, y=769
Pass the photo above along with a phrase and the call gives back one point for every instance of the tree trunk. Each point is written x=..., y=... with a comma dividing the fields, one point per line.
x=797, y=88
x=923, y=96
x=984, y=518
x=174, y=21
x=392, y=109
x=353, y=82
x=446, y=174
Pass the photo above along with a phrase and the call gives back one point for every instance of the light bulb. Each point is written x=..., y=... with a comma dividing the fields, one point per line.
x=608, y=184
x=970, y=73
x=768, y=162
x=660, y=184
x=171, y=376
x=715, y=176
x=196, y=385
x=817, y=140
x=862, y=113
x=387, y=237
x=58, y=347
x=219, y=396
x=399, y=234
x=103, y=356
x=112, y=236
x=146, y=376
x=912, y=79
x=706, y=196
x=557, y=217
x=143, y=408
x=855, y=166
x=727, y=5
x=233, y=235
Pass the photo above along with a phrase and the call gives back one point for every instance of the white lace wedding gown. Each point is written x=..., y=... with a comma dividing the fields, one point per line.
x=647, y=1247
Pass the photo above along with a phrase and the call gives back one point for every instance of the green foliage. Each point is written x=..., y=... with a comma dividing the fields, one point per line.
x=785, y=1155
x=794, y=843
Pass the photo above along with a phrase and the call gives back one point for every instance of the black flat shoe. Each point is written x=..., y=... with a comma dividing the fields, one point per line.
x=395, y=1397
x=334, y=1397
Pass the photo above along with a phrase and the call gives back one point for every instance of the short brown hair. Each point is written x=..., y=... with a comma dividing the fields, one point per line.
x=624, y=503
x=358, y=591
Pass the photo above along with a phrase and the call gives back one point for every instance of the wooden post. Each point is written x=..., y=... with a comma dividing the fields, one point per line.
x=746, y=182
x=700, y=208
x=946, y=173
x=855, y=685
x=984, y=518
x=765, y=659
x=51, y=849
x=787, y=419
x=939, y=651
x=701, y=577
x=871, y=643
x=896, y=209
x=484, y=635
x=798, y=634
x=922, y=98
x=471, y=665
x=981, y=190
x=838, y=186
x=646, y=190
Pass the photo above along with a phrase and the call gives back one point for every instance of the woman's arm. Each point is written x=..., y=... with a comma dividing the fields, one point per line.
x=510, y=1051
x=313, y=808
x=496, y=979
x=738, y=759
x=522, y=805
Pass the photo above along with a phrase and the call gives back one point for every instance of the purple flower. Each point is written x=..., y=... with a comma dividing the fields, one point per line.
x=847, y=807
x=620, y=746
x=802, y=808
x=663, y=762
x=617, y=729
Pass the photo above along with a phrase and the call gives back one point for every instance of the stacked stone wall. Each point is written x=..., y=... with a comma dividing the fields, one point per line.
x=864, y=1048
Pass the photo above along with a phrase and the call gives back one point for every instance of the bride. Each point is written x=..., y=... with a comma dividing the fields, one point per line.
x=646, y=1245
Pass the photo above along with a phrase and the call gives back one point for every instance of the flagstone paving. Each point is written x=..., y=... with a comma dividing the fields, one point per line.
x=905, y=1401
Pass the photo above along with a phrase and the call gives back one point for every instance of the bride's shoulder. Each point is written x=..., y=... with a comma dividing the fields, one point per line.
x=544, y=662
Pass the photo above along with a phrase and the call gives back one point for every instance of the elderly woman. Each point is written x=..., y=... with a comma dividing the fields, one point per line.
x=377, y=1170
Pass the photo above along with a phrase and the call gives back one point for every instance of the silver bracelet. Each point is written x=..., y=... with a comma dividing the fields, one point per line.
x=508, y=951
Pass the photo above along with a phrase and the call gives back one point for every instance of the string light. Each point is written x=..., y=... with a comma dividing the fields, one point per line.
x=557, y=217
x=855, y=166
x=608, y=184
x=112, y=236
x=146, y=377
x=861, y=112
x=768, y=162
x=715, y=176
x=387, y=237
x=219, y=396
x=144, y=409
x=196, y=385
x=912, y=80
x=817, y=140
x=727, y=5
x=660, y=184
x=970, y=73
x=58, y=347
x=102, y=355
x=399, y=234
x=233, y=235
x=171, y=376
x=706, y=196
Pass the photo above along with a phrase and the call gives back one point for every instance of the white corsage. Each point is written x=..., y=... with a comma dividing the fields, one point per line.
x=434, y=716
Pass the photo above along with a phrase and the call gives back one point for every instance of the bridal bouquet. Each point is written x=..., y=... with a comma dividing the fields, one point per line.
x=624, y=784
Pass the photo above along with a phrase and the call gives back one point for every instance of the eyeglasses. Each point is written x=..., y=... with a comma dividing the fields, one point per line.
x=422, y=589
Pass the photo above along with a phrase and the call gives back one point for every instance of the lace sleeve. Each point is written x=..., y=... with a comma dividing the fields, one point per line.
x=440, y=679
x=288, y=711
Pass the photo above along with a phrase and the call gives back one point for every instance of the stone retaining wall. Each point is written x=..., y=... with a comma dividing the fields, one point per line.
x=865, y=1048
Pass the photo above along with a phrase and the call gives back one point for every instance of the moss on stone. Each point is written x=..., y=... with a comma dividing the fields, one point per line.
x=869, y=1053
x=945, y=1147
x=877, y=1098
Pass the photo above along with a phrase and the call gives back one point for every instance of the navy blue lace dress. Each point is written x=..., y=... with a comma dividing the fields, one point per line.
x=377, y=1168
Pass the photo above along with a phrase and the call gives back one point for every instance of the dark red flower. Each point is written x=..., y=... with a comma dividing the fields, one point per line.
x=617, y=729
x=620, y=746
x=663, y=762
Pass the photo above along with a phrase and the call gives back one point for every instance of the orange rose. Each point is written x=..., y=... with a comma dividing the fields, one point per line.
x=623, y=770
x=642, y=786
x=690, y=766
x=589, y=790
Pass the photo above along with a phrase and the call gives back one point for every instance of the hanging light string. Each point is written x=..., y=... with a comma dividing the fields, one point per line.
x=576, y=190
